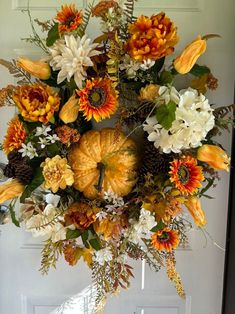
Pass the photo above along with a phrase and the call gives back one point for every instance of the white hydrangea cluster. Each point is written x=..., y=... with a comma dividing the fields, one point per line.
x=131, y=66
x=193, y=120
x=141, y=229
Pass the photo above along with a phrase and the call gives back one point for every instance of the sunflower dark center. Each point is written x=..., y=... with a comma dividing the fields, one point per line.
x=69, y=20
x=183, y=174
x=97, y=97
x=164, y=237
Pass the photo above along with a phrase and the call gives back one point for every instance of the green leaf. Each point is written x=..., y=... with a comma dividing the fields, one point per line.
x=95, y=244
x=53, y=150
x=13, y=216
x=158, y=227
x=84, y=236
x=157, y=66
x=53, y=35
x=199, y=70
x=210, y=182
x=36, y=182
x=72, y=234
x=165, y=114
x=166, y=77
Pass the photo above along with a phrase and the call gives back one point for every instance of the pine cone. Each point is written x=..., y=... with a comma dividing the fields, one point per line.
x=138, y=115
x=9, y=171
x=24, y=173
x=153, y=161
x=14, y=157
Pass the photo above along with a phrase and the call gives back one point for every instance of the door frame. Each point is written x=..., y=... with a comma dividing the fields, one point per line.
x=228, y=304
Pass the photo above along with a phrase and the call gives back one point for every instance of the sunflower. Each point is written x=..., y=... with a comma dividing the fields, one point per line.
x=165, y=240
x=98, y=99
x=69, y=18
x=15, y=136
x=186, y=175
x=151, y=38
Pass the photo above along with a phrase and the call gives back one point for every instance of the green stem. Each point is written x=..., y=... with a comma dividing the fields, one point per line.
x=101, y=168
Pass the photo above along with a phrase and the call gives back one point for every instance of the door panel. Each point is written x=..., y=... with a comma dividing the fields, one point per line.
x=22, y=288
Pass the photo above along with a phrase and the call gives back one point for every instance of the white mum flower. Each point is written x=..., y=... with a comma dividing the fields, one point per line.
x=71, y=57
x=193, y=120
x=39, y=225
x=102, y=256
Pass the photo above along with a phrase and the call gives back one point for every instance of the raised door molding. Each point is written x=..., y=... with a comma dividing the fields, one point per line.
x=170, y=5
x=43, y=4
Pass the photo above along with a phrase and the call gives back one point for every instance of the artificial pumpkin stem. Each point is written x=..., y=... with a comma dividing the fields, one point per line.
x=101, y=168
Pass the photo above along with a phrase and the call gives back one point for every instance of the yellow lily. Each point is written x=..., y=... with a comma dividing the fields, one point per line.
x=70, y=110
x=214, y=156
x=10, y=190
x=187, y=59
x=38, y=69
x=193, y=205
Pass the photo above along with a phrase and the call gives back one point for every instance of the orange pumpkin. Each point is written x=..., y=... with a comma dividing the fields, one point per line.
x=104, y=161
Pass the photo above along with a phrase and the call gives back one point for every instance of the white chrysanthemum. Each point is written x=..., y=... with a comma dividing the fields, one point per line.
x=102, y=256
x=40, y=225
x=193, y=120
x=71, y=56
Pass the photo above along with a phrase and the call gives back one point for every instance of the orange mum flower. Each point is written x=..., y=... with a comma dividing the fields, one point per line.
x=81, y=215
x=98, y=99
x=67, y=135
x=165, y=240
x=186, y=175
x=36, y=102
x=69, y=18
x=152, y=38
x=15, y=136
x=103, y=6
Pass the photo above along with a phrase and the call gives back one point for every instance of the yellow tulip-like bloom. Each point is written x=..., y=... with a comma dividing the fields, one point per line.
x=70, y=110
x=38, y=69
x=193, y=205
x=57, y=173
x=15, y=137
x=184, y=62
x=214, y=156
x=149, y=92
x=10, y=190
x=36, y=102
x=151, y=38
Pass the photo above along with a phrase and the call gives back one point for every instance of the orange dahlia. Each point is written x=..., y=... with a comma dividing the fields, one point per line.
x=165, y=240
x=15, y=136
x=69, y=18
x=186, y=175
x=81, y=215
x=98, y=99
x=36, y=102
x=152, y=38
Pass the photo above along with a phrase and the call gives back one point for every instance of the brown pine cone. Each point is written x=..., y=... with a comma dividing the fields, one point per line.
x=9, y=171
x=153, y=161
x=24, y=173
x=14, y=157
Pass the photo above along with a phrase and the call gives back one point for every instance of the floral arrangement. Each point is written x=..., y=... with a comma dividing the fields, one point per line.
x=100, y=195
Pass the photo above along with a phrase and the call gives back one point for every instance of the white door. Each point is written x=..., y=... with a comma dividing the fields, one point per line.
x=22, y=288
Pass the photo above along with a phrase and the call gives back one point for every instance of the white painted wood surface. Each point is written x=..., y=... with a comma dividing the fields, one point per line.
x=22, y=288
